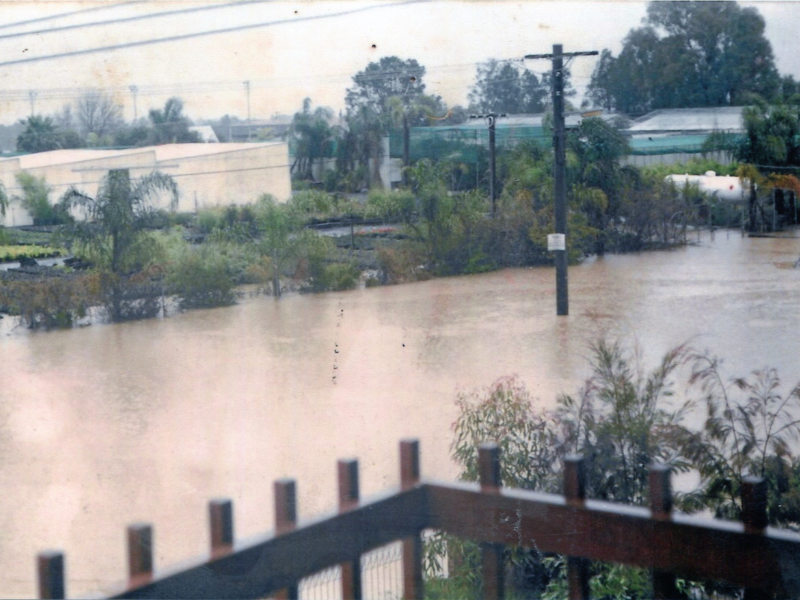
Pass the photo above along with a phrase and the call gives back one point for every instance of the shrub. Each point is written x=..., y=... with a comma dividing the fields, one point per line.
x=54, y=302
x=201, y=278
x=390, y=205
x=35, y=199
x=313, y=204
x=132, y=297
x=339, y=276
x=402, y=264
x=208, y=220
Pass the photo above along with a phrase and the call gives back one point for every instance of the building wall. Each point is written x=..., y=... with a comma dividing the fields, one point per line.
x=237, y=176
x=207, y=175
x=646, y=160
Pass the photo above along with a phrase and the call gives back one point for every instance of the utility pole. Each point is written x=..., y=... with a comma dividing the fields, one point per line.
x=134, y=90
x=491, y=118
x=557, y=243
x=32, y=98
x=247, y=91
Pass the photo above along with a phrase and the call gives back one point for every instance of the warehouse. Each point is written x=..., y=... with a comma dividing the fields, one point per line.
x=207, y=175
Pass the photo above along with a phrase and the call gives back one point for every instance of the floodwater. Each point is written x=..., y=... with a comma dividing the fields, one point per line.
x=108, y=425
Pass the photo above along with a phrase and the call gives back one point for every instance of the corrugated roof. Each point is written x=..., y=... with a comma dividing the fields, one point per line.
x=723, y=118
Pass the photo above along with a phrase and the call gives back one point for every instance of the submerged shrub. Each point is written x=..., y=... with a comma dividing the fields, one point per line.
x=201, y=278
x=50, y=303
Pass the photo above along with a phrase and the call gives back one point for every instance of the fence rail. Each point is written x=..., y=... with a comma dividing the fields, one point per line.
x=763, y=561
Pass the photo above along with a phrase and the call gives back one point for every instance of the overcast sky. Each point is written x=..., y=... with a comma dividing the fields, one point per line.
x=290, y=50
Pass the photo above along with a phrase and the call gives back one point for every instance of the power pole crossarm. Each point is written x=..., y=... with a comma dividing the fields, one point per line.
x=559, y=172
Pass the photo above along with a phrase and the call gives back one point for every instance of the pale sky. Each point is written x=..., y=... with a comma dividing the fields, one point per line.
x=291, y=50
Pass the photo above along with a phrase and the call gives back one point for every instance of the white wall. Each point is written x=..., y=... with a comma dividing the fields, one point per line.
x=207, y=175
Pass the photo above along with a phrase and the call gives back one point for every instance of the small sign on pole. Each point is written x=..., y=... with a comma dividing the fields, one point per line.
x=556, y=241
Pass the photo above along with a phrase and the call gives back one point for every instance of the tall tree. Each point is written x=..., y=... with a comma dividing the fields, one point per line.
x=599, y=147
x=388, y=94
x=40, y=135
x=772, y=136
x=371, y=112
x=688, y=54
x=312, y=136
x=507, y=87
x=170, y=125
x=97, y=113
x=379, y=81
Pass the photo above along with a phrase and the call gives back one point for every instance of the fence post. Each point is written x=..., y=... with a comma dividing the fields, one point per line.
x=50, y=569
x=409, y=463
x=491, y=554
x=663, y=582
x=412, y=546
x=140, y=554
x=575, y=495
x=754, y=517
x=348, y=498
x=220, y=515
x=285, y=521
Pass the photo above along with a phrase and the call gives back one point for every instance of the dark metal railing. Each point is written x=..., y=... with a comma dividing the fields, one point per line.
x=763, y=561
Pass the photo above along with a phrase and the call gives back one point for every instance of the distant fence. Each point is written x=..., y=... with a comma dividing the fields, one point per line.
x=301, y=561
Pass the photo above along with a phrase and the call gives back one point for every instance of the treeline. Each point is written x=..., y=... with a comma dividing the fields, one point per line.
x=96, y=120
x=691, y=54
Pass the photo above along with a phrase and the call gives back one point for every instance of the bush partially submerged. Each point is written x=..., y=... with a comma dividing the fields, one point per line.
x=201, y=278
x=622, y=420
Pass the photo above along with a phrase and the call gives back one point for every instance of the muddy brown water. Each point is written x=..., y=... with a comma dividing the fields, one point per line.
x=107, y=425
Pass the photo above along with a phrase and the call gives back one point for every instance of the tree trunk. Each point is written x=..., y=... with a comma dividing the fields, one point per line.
x=276, y=282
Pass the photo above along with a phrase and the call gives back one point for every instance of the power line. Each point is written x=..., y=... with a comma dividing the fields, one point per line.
x=103, y=6
x=129, y=19
x=186, y=36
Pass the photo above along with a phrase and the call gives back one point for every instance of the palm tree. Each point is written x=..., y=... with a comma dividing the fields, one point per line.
x=40, y=135
x=405, y=111
x=113, y=231
x=116, y=218
x=313, y=134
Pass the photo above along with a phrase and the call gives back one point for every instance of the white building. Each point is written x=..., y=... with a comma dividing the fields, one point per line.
x=207, y=175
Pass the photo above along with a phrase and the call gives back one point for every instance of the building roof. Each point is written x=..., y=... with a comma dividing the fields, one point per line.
x=161, y=153
x=60, y=157
x=175, y=151
x=722, y=118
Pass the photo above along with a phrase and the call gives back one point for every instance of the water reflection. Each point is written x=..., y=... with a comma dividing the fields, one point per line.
x=106, y=425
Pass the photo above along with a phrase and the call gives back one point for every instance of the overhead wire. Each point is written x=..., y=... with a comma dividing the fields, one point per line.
x=196, y=34
x=130, y=19
x=101, y=6
x=213, y=86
